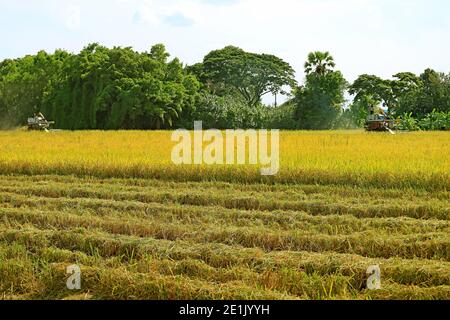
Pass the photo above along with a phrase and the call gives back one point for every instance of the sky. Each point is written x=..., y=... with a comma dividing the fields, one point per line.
x=381, y=37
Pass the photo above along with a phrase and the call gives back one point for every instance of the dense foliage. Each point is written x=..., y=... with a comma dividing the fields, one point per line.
x=407, y=93
x=119, y=88
x=228, y=112
x=250, y=75
x=24, y=84
x=319, y=102
x=433, y=121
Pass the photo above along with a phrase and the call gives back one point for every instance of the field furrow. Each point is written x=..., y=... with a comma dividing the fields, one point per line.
x=359, y=207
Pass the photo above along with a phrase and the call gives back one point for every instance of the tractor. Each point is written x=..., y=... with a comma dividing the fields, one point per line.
x=39, y=123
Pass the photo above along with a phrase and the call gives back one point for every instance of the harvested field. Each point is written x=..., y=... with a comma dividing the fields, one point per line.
x=142, y=228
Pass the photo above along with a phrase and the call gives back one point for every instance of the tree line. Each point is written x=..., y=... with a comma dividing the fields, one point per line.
x=120, y=88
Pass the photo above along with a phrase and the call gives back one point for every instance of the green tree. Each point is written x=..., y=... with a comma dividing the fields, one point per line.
x=319, y=102
x=23, y=84
x=159, y=53
x=407, y=88
x=359, y=110
x=420, y=96
x=435, y=94
x=319, y=63
x=120, y=88
x=370, y=88
x=251, y=75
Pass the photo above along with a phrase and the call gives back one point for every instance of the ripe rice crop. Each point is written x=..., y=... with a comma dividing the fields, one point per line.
x=142, y=228
x=367, y=159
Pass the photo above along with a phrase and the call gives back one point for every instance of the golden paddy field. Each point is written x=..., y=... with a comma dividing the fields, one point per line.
x=141, y=227
x=347, y=157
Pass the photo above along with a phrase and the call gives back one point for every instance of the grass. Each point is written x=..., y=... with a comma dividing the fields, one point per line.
x=142, y=228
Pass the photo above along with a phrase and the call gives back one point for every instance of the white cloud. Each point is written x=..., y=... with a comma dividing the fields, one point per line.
x=149, y=12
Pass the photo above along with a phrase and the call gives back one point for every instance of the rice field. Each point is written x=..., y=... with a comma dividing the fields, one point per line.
x=141, y=227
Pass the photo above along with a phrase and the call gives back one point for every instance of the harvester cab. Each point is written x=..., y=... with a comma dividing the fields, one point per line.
x=38, y=122
x=378, y=120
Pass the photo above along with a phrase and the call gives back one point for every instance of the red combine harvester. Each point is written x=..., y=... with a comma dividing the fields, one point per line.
x=378, y=120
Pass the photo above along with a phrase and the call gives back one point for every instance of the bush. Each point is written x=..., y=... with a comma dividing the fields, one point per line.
x=282, y=117
x=436, y=121
x=407, y=122
x=228, y=112
x=433, y=121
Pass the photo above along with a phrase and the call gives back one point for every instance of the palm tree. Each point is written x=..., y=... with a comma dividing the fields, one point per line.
x=319, y=62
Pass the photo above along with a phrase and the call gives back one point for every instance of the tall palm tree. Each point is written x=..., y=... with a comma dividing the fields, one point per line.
x=319, y=62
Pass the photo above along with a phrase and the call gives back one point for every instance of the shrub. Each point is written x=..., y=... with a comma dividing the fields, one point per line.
x=282, y=117
x=228, y=112
x=436, y=121
x=408, y=123
x=433, y=121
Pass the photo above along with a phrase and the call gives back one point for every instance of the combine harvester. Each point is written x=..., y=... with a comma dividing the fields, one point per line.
x=378, y=120
x=39, y=123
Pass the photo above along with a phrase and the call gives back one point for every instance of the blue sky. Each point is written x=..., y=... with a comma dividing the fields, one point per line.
x=380, y=37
